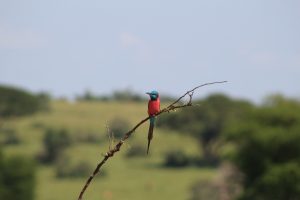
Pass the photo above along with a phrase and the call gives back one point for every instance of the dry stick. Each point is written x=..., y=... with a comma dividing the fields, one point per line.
x=117, y=147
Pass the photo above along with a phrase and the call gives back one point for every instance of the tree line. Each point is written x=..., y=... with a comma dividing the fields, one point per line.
x=262, y=141
x=17, y=173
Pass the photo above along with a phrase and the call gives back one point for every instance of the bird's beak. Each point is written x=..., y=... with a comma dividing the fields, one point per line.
x=148, y=93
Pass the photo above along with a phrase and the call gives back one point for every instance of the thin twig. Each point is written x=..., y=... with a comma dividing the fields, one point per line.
x=172, y=107
x=111, y=139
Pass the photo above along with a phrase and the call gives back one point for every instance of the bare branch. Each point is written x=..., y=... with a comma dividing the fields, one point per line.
x=172, y=107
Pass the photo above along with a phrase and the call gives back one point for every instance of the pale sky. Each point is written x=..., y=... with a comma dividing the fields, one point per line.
x=67, y=46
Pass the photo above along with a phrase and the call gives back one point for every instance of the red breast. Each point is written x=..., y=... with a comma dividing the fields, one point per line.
x=153, y=106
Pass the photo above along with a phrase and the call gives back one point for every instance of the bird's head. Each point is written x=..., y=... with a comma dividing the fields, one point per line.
x=153, y=95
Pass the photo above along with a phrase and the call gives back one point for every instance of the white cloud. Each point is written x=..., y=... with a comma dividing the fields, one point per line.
x=12, y=38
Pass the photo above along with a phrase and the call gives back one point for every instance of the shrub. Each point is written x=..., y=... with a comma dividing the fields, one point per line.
x=67, y=169
x=55, y=141
x=17, y=178
x=11, y=139
x=279, y=182
x=9, y=136
x=136, y=150
x=176, y=158
x=119, y=126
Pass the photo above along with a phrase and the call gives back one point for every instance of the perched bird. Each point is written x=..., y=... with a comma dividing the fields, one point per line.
x=153, y=109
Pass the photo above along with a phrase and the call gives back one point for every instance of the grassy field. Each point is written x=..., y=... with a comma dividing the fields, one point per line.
x=125, y=178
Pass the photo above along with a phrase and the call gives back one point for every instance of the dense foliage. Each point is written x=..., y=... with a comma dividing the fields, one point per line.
x=268, y=151
x=55, y=141
x=18, y=102
x=17, y=178
x=263, y=141
x=176, y=158
x=207, y=121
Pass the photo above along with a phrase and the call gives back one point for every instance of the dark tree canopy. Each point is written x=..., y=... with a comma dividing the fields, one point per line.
x=263, y=141
x=55, y=141
x=17, y=178
x=267, y=150
x=18, y=102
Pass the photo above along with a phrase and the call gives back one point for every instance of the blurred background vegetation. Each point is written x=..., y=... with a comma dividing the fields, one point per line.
x=221, y=149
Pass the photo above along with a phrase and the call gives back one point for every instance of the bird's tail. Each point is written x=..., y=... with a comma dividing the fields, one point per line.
x=150, y=132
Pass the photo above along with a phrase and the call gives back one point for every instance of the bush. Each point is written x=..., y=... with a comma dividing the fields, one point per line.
x=176, y=159
x=17, y=178
x=55, y=141
x=9, y=137
x=136, y=150
x=279, y=182
x=118, y=127
x=66, y=169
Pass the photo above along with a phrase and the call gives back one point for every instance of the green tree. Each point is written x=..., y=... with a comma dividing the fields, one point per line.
x=17, y=178
x=55, y=141
x=18, y=102
x=267, y=150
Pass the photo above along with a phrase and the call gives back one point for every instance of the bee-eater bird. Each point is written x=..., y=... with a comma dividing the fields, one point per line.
x=153, y=109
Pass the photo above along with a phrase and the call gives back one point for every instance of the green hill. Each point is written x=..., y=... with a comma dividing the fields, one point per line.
x=141, y=177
